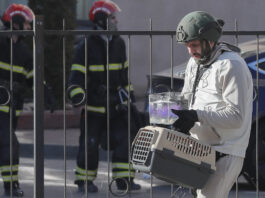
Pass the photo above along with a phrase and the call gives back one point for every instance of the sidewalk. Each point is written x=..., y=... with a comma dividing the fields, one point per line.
x=55, y=170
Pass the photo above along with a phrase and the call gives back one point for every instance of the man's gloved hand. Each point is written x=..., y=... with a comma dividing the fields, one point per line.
x=186, y=120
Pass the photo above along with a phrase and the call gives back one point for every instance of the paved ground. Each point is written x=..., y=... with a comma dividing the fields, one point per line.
x=55, y=171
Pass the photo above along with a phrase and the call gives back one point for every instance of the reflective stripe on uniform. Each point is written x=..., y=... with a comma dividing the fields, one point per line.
x=129, y=88
x=76, y=91
x=9, y=178
x=78, y=67
x=126, y=64
x=84, y=177
x=18, y=112
x=4, y=109
x=115, y=66
x=84, y=172
x=15, y=68
x=96, y=109
x=8, y=168
x=122, y=174
x=121, y=165
x=96, y=68
x=29, y=74
x=99, y=68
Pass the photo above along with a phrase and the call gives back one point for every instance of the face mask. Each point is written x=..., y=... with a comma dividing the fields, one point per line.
x=205, y=52
x=103, y=36
x=113, y=26
x=112, y=22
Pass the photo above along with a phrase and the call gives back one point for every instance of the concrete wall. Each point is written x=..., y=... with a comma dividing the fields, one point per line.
x=83, y=7
x=5, y=3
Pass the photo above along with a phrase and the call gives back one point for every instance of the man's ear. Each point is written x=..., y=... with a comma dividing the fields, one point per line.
x=211, y=44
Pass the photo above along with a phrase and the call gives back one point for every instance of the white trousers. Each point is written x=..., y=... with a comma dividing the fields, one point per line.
x=220, y=183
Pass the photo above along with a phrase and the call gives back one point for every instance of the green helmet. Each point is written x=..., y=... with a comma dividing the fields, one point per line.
x=199, y=25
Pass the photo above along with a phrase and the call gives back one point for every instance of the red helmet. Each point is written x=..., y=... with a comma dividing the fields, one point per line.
x=18, y=10
x=106, y=6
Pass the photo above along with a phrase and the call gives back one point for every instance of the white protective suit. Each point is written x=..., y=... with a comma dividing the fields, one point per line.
x=223, y=100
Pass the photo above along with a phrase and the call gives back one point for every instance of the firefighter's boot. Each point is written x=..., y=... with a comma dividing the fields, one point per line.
x=91, y=187
x=122, y=184
x=16, y=191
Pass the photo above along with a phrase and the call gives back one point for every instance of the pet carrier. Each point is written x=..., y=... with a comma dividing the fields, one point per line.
x=172, y=156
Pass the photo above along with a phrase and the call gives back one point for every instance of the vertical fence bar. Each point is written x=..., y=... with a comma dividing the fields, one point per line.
x=129, y=112
x=236, y=30
x=64, y=109
x=172, y=88
x=108, y=114
x=151, y=91
x=236, y=44
x=86, y=135
x=38, y=109
x=257, y=122
x=151, y=69
x=11, y=110
x=171, y=62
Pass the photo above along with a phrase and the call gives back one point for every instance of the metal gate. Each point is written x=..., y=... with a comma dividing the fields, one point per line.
x=38, y=33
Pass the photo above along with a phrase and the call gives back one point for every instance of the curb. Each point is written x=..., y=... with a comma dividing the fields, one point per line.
x=53, y=120
x=57, y=152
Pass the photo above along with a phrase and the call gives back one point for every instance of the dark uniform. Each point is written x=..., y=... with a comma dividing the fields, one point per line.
x=22, y=76
x=97, y=105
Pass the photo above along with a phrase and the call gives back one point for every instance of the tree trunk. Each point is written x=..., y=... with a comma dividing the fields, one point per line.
x=54, y=12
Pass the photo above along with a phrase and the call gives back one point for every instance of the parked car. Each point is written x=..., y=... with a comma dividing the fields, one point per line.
x=249, y=51
x=161, y=82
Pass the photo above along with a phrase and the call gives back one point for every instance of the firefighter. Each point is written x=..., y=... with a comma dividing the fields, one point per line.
x=21, y=66
x=96, y=102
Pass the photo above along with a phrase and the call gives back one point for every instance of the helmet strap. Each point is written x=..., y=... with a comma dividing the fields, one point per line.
x=103, y=36
x=206, y=51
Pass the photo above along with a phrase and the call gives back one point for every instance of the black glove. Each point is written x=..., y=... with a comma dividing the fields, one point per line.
x=123, y=97
x=18, y=91
x=4, y=95
x=186, y=120
x=79, y=98
x=122, y=108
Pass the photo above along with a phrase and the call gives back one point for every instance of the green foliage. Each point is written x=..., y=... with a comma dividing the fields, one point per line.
x=54, y=12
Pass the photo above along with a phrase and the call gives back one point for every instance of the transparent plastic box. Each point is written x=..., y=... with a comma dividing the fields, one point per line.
x=160, y=105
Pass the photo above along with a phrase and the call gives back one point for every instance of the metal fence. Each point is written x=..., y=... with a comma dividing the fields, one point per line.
x=38, y=34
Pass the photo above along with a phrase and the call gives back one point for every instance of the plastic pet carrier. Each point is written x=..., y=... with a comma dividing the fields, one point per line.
x=173, y=157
